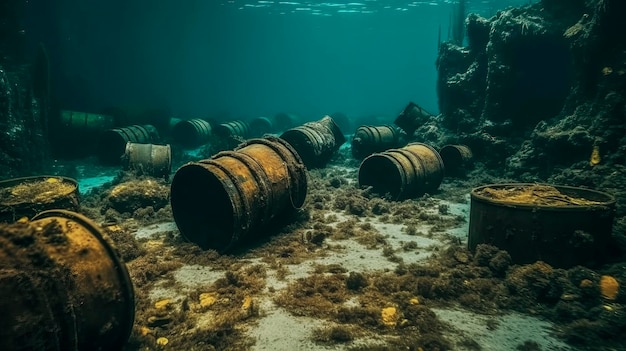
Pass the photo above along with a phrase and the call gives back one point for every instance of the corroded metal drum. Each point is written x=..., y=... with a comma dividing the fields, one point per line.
x=63, y=286
x=260, y=126
x=148, y=159
x=403, y=173
x=113, y=141
x=232, y=198
x=27, y=196
x=561, y=225
x=370, y=139
x=238, y=128
x=411, y=118
x=315, y=142
x=456, y=158
x=192, y=133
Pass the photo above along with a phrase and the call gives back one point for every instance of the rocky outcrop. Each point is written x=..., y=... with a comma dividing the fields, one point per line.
x=538, y=88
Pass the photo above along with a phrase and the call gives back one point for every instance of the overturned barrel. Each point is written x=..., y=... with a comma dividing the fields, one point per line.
x=234, y=196
x=113, y=141
x=563, y=226
x=370, y=139
x=148, y=159
x=192, y=132
x=315, y=142
x=237, y=128
x=411, y=118
x=403, y=173
x=63, y=286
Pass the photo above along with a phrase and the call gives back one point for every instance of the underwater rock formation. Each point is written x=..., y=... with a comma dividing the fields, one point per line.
x=538, y=86
x=23, y=124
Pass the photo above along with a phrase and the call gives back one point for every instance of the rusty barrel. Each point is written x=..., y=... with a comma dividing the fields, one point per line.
x=27, y=196
x=563, y=227
x=113, y=141
x=370, y=139
x=403, y=173
x=411, y=118
x=233, y=197
x=148, y=159
x=315, y=142
x=260, y=126
x=237, y=128
x=84, y=122
x=456, y=158
x=192, y=133
x=63, y=286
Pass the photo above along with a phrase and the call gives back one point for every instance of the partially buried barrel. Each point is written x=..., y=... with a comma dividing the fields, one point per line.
x=403, y=173
x=233, y=197
x=370, y=139
x=148, y=159
x=27, y=196
x=192, y=133
x=563, y=226
x=113, y=141
x=63, y=286
x=315, y=142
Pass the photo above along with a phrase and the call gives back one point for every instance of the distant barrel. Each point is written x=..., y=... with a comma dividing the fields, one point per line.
x=192, y=133
x=84, y=122
x=113, y=141
x=63, y=286
x=233, y=197
x=283, y=121
x=148, y=159
x=370, y=139
x=315, y=142
x=411, y=118
x=260, y=126
x=403, y=173
x=236, y=128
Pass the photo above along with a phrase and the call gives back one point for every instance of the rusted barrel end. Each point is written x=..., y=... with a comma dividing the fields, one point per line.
x=223, y=201
x=561, y=225
x=403, y=173
x=27, y=196
x=63, y=286
x=456, y=158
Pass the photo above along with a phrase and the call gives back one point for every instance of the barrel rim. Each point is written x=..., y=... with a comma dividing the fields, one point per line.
x=610, y=202
x=120, y=266
x=11, y=181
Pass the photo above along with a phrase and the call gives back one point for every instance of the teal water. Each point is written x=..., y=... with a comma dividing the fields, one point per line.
x=244, y=59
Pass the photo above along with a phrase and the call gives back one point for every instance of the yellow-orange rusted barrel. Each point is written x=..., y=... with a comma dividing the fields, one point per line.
x=233, y=197
x=403, y=173
x=63, y=286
